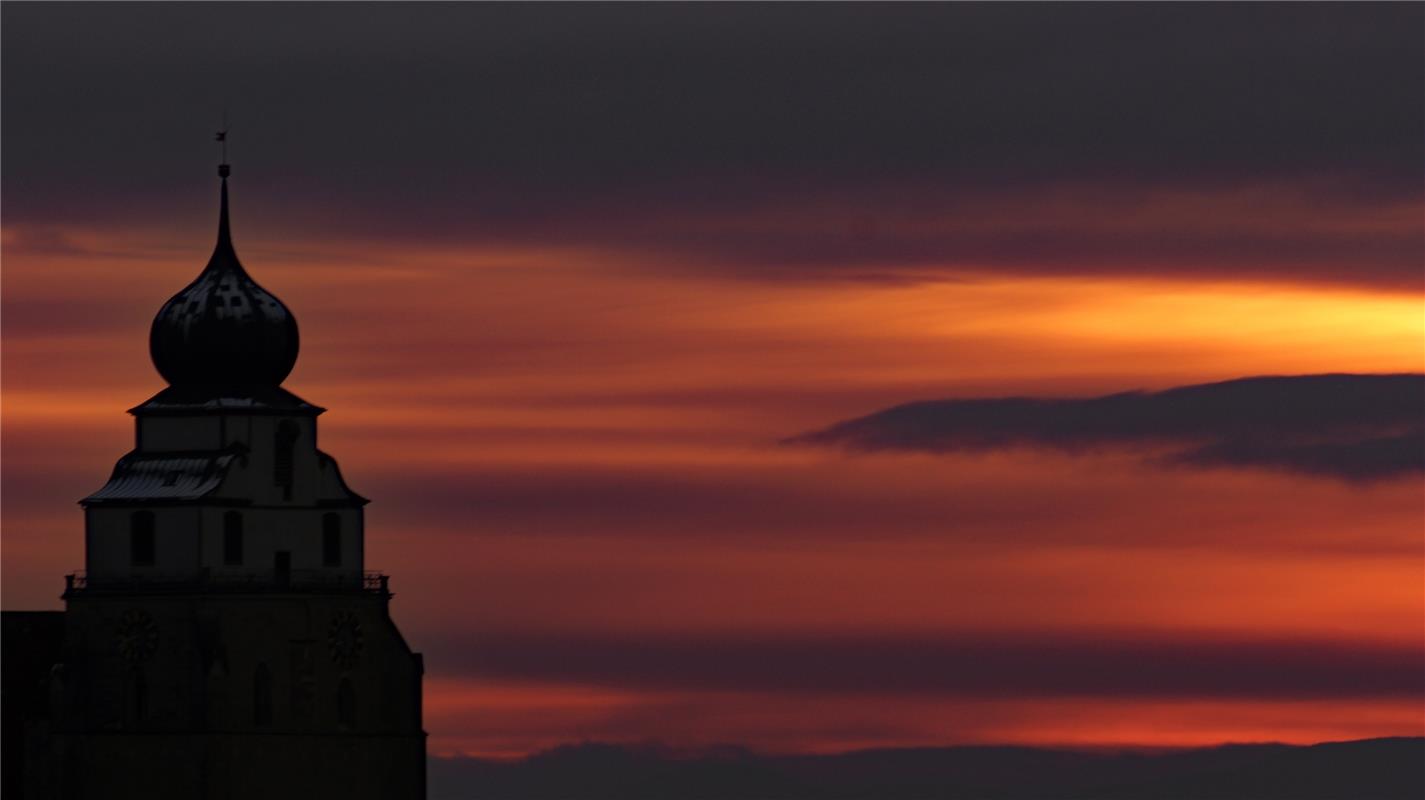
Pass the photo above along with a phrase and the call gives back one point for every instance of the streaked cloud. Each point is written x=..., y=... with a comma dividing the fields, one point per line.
x=567, y=273
x=777, y=144
x=1351, y=427
x=1020, y=664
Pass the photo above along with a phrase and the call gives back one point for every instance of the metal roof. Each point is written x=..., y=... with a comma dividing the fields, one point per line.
x=223, y=329
x=164, y=476
x=188, y=400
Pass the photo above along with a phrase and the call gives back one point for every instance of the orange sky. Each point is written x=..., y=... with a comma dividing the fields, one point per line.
x=571, y=449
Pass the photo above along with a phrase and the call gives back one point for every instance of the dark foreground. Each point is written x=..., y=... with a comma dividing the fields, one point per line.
x=1372, y=769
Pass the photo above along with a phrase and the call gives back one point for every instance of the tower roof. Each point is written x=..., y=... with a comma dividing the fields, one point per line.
x=223, y=334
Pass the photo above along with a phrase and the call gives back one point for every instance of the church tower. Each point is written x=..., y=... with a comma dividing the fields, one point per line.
x=225, y=639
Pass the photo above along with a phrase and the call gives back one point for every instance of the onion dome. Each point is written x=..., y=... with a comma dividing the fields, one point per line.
x=223, y=332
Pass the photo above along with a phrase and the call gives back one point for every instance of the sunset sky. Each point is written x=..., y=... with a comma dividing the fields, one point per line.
x=572, y=279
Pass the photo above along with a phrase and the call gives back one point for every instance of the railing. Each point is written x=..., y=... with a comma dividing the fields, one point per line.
x=296, y=580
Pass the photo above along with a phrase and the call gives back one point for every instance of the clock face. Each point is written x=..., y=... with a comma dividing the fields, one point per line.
x=344, y=639
x=137, y=637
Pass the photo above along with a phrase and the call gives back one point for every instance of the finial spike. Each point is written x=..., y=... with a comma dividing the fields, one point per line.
x=225, y=240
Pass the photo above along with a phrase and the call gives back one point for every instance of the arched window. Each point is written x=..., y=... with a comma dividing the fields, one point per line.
x=331, y=539
x=286, y=440
x=262, y=696
x=232, y=538
x=346, y=704
x=140, y=697
x=141, y=544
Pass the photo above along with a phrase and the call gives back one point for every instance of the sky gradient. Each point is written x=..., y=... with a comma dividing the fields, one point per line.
x=570, y=277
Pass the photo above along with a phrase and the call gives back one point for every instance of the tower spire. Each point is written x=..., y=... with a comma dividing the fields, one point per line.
x=223, y=332
x=225, y=240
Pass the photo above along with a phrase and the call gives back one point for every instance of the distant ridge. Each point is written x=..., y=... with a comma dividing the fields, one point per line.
x=1369, y=769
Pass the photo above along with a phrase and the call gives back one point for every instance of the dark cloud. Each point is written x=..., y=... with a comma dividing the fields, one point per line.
x=1030, y=664
x=1353, y=427
x=579, y=122
x=1359, y=459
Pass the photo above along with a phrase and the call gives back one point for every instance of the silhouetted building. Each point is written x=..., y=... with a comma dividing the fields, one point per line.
x=31, y=643
x=224, y=639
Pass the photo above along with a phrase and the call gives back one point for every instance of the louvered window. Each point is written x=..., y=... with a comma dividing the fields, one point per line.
x=262, y=696
x=141, y=539
x=346, y=704
x=282, y=457
x=331, y=539
x=232, y=538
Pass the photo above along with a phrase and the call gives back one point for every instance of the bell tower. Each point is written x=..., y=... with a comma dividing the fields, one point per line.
x=225, y=639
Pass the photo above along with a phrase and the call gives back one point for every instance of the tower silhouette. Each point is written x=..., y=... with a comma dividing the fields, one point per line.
x=224, y=639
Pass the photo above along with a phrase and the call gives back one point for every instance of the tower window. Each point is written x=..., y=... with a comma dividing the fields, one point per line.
x=286, y=440
x=262, y=696
x=346, y=704
x=331, y=539
x=140, y=697
x=141, y=544
x=232, y=538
